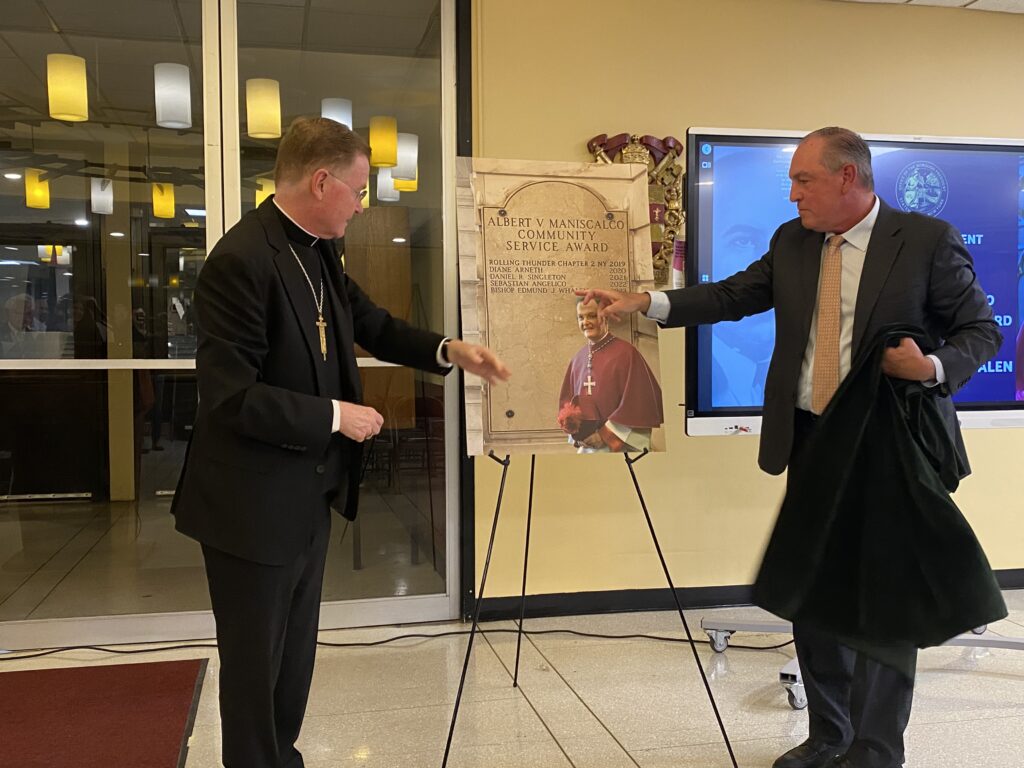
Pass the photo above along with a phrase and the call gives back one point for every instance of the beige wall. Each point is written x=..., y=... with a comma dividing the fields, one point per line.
x=549, y=75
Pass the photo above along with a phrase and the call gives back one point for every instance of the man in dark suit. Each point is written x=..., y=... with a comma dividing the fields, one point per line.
x=846, y=267
x=279, y=429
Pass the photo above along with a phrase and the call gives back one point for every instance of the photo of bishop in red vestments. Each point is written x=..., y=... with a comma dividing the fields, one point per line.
x=610, y=398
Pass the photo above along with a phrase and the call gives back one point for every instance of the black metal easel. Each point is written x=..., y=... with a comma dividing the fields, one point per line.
x=522, y=605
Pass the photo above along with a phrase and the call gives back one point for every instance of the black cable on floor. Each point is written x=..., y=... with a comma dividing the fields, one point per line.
x=39, y=653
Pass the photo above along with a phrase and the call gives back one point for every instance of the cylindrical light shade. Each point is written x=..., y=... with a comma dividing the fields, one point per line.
x=163, y=200
x=172, y=91
x=338, y=110
x=37, y=192
x=102, y=194
x=403, y=185
x=51, y=254
x=65, y=83
x=263, y=108
x=386, y=191
x=383, y=141
x=408, y=157
x=264, y=189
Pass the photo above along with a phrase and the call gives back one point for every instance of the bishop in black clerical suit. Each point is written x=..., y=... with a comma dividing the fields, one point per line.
x=279, y=430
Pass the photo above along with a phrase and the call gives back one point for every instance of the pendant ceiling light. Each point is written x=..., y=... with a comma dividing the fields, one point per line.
x=408, y=157
x=101, y=192
x=264, y=189
x=172, y=92
x=338, y=110
x=50, y=254
x=37, y=191
x=263, y=108
x=383, y=141
x=163, y=200
x=386, y=192
x=66, y=86
x=404, y=185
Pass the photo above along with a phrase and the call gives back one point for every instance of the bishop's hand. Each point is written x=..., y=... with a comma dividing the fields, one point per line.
x=359, y=422
x=479, y=360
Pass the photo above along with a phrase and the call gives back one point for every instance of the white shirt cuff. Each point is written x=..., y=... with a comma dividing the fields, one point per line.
x=660, y=306
x=940, y=372
x=441, y=362
x=336, y=421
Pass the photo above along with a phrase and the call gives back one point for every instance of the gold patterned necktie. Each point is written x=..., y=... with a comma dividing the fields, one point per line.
x=825, y=375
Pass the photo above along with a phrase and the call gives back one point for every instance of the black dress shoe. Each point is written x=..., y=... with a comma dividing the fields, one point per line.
x=843, y=762
x=811, y=754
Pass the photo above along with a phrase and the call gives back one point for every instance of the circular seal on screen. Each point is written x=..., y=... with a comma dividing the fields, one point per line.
x=922, y=188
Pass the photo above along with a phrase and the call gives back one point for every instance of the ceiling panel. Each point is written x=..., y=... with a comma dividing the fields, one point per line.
x=24, y=14
x=414, y=8
x=397, y=36
x=1006, y=6
x=139, y=19
x=287, y=3
x=270, y=27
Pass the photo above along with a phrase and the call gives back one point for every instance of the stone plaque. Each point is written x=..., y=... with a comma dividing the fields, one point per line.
x=530, y=235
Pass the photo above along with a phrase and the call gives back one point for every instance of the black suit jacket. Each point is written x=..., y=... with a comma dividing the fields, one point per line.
x=916, y=272
x=253, y=478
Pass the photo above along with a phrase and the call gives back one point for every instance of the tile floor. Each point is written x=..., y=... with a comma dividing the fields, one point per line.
x=599, y=703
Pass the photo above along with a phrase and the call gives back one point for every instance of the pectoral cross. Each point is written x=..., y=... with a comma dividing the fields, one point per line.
x=590, y=384
x=322, y=327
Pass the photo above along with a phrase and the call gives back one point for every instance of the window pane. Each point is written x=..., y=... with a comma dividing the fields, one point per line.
x=87, y=472
x=384, y=58
x=397, y=544
x=102, y=187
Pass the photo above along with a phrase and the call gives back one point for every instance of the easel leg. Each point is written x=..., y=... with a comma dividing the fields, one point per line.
x=526, y=561
x=476, y=609
x=679, y=607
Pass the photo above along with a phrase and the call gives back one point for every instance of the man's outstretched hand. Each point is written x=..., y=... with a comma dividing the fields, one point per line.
x=616, y=304
x=479, y=360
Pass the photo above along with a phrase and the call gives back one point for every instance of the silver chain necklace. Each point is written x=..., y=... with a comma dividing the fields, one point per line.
x=321, y=324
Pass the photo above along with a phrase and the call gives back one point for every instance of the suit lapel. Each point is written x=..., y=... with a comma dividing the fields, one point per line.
x=883, y=248
x=295, y=285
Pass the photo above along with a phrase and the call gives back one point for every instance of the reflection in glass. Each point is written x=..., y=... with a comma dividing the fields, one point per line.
x=385, y=62
x=119, y=557
x=82, y=153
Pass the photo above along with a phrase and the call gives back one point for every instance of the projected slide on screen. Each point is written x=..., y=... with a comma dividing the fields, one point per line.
x=739, y=195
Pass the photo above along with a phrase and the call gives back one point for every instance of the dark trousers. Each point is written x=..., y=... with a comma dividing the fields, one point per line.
x=853, y=700
x=267, y=619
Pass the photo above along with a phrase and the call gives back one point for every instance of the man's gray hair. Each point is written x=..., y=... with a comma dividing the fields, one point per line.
x=843, y=146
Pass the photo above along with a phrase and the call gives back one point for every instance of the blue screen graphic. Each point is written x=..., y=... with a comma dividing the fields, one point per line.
x=739, y=195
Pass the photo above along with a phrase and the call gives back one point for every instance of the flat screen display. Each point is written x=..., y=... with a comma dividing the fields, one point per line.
x=738, y=195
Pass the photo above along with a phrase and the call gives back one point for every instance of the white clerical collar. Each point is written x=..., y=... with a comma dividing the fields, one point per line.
x=293, y=221
x=859, y=235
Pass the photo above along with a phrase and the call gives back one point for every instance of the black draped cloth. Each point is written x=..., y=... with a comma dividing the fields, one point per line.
x=869, y=545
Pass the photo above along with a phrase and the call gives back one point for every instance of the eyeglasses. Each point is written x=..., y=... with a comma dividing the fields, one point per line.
x=359, y=193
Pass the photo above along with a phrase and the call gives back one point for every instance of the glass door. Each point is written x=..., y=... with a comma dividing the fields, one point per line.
x=128, y=145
